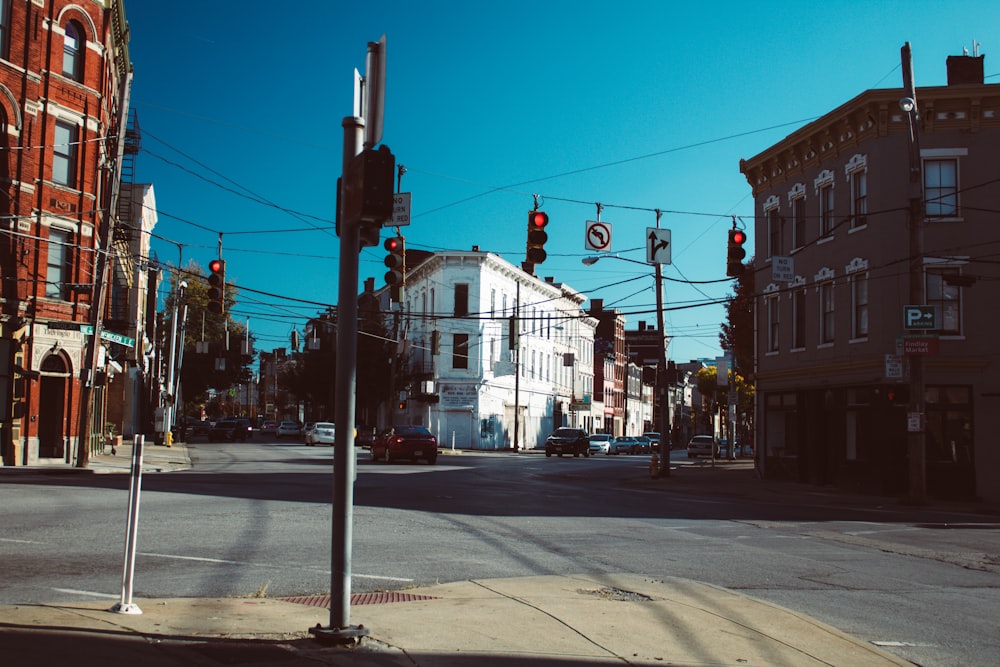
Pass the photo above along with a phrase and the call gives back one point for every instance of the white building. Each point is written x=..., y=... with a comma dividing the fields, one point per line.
x=467, y=380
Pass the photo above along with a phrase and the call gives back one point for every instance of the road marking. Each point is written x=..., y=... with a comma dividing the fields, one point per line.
x=282, y=565
x=12, y=541
x=74, y=591
x=375, y=576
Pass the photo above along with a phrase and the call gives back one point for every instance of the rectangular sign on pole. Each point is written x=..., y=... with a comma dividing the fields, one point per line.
x=400, y=210
x=920, y=317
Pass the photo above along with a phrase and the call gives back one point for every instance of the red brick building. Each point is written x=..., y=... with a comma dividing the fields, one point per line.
x=64, y=78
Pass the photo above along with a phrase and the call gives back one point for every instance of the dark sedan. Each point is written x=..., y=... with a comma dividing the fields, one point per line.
x=409, y=442
x=231, y=430
x=565, y=440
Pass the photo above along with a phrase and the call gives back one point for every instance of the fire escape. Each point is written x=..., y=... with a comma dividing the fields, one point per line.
x=126, y=235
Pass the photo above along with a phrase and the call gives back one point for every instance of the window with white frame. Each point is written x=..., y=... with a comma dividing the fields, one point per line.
x=5, y=29
x=859, y=304
x=64, y=156
x=826, y=209
x=947, y=297
x=773, y=231
x=826, y=312
x=460, y=356
x=799, y=220
x=856, y=170
x=799, y=319
x=773, y=321
x=58, y=267
x=74, y=40
x=941, y=187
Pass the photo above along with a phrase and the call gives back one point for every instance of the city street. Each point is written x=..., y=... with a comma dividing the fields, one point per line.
x=254, y=519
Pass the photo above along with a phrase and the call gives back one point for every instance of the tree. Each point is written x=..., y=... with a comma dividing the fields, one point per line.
x=224, y=337
x=737, y=331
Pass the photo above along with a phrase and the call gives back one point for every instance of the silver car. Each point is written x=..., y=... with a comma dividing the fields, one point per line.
x=702, y=445
x=599, y=443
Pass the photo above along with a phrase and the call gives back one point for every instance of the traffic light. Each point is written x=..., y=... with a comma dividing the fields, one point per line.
x=537, y=220
x=217, y=286
x=736, y=253
x=396, y=262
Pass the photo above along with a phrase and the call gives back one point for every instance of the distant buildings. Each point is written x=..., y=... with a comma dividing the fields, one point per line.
x=833, y=349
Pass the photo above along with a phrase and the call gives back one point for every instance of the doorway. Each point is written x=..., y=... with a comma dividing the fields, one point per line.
x=52, y=389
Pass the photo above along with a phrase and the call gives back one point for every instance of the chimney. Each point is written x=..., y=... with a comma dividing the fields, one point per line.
x=475, y=248
x=965, y=70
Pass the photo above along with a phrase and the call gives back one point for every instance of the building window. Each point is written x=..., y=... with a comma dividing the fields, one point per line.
x=798, y=222
x=799, y=319
x=859, y=198
x=826, y=210
x=826, y=321
x=65, y=154
x=58, y=266
x=772, y=323
x=461, y=300
x=947, y=298
x=5, y=29
x=859, y=305
x=941, y=188
x=460, y=357
x=774, y=230
x=73, y=41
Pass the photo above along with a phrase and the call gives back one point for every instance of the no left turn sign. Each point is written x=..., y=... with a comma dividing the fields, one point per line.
x=598, y=236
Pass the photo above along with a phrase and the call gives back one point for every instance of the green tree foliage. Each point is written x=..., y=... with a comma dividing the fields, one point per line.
x=199, y=370
x=737, y=331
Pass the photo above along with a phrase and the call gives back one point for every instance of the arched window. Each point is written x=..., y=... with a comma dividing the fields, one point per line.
x=73, y=51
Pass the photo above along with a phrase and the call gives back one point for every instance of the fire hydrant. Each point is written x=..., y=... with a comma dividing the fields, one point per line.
x=168, y=438
x=654, y=466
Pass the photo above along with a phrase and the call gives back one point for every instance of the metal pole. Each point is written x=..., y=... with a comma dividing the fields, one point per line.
x=516, y=329
x=916, y=434
x=340, y=629
x=661, y=379
x=168, y=408
x=125, y=606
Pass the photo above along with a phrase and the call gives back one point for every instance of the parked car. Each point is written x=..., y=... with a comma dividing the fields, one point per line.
x=702, y=445
x=654, y=440
x=201, y=428
x=623, y=444
x=289, y=429
x=643, y=445
x=565, y=440
x=308, y=426
x=408, y=441
x=269, y=427
x=231, y=430
x=599, y=443
x=321, y=433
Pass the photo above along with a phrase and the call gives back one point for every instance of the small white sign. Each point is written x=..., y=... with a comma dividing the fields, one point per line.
x=598, y=236
x=782, y=269
x=657, y=245
x=893, y=367
x=400, y=210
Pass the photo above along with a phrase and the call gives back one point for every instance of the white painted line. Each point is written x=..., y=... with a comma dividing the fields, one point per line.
x=93, y=594
x=374, y=576
x=3, y=539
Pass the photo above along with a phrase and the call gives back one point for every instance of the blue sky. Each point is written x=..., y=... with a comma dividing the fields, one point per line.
x=637, y=106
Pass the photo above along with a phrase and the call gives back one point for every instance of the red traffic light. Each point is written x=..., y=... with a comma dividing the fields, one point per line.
x=393, y=244
x=739, y=236
x=539, y=219
x=215, y=266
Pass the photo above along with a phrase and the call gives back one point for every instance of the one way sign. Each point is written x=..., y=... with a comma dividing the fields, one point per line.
x=657, y=245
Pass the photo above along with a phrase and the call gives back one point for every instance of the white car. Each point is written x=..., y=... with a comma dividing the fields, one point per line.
x=599, y=443
x=321, y=434
x=289, y=429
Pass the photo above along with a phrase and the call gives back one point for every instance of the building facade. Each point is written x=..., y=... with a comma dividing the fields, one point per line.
x=835, y=250
x=64, y=77
x=494, y=358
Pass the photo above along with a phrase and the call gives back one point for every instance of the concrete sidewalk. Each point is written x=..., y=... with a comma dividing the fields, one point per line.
x=549, y=620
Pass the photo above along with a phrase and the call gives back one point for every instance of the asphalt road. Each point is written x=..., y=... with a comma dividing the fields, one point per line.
x=255, y=519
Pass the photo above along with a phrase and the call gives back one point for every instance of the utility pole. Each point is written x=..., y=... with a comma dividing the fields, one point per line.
x=100, y=288
x=916, y=424
x=661, y=372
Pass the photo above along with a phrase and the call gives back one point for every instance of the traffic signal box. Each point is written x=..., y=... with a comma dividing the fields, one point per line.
x=736, y=253
x=537, y=221
x=217, y=286
x=395, y=261
x=365, y=193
